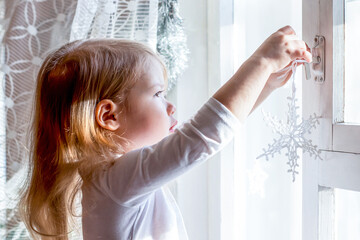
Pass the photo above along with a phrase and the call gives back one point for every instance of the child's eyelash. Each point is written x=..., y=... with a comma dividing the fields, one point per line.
x=159, y=93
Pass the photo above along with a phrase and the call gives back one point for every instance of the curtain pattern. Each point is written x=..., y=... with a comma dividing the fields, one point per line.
x=135, y=20
x=29, y=29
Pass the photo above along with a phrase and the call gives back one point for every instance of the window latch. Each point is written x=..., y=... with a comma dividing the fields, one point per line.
x=316, y=69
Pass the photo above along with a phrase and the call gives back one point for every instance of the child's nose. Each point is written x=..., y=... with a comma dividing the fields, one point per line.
x=171, y=109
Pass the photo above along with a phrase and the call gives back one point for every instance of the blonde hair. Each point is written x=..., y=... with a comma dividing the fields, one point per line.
x=71, y=81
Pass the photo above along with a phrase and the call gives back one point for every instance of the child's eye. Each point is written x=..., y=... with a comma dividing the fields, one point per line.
x=159, y=94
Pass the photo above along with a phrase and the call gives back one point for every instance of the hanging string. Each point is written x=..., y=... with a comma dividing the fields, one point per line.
x=292, y=67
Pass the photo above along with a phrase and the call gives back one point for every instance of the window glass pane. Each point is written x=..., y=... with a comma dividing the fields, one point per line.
x=347, y=214
x=352, y=53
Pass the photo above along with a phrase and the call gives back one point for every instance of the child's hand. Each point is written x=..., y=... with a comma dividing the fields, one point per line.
x=251, y=84
x=281, y=48
x=280, y=78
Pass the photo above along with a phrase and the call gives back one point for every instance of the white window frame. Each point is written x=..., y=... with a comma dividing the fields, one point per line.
x=214, y=59
x=339, y=141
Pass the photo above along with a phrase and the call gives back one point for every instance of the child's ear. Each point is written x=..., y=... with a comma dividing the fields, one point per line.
x=106, y=115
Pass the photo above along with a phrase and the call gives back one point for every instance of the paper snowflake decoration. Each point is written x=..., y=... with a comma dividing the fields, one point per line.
x=292, y=133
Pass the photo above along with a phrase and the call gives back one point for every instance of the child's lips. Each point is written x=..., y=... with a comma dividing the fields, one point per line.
x=172, y=128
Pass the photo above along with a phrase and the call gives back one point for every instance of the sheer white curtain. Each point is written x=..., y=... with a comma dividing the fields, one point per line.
x=135, y=20
x=29, y=30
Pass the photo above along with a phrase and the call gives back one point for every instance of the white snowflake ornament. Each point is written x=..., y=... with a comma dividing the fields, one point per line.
x=292, y=132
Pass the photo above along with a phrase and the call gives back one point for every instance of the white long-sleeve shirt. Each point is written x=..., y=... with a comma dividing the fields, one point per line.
x=128, y=201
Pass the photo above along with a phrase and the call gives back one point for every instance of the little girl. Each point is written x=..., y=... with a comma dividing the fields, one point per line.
x=103, y=128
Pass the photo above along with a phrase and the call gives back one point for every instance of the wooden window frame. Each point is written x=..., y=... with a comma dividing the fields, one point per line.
x=339, y=141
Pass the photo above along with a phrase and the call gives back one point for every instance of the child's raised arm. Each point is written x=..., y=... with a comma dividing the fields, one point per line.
x=136, y=175
x=246, y=88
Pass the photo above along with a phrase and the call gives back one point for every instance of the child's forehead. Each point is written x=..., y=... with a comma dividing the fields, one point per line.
x=156, y=69
x=154, y=62
x=153, y=75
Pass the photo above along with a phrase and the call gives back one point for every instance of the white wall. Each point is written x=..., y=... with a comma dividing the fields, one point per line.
x=276, y=214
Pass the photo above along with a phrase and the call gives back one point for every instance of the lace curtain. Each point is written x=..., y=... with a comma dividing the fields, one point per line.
x=29, y=30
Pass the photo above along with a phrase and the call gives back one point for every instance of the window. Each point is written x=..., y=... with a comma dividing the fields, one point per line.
x=352, y=51
x=332, y=184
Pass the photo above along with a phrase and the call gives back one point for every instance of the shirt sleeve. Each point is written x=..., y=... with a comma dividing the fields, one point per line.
x=135, y=175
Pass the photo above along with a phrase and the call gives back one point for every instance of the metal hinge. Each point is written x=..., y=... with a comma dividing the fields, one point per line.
x=316, y=69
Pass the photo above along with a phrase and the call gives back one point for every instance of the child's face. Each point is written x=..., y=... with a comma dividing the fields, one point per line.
x=150, y=117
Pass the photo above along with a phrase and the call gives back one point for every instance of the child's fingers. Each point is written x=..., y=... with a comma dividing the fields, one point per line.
x=292, y=38
x=299, y=47
x=307, y=56
x=301, y=54
x=286, y=78
x=287, y=30
x=300, y=51
x=297, y=44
